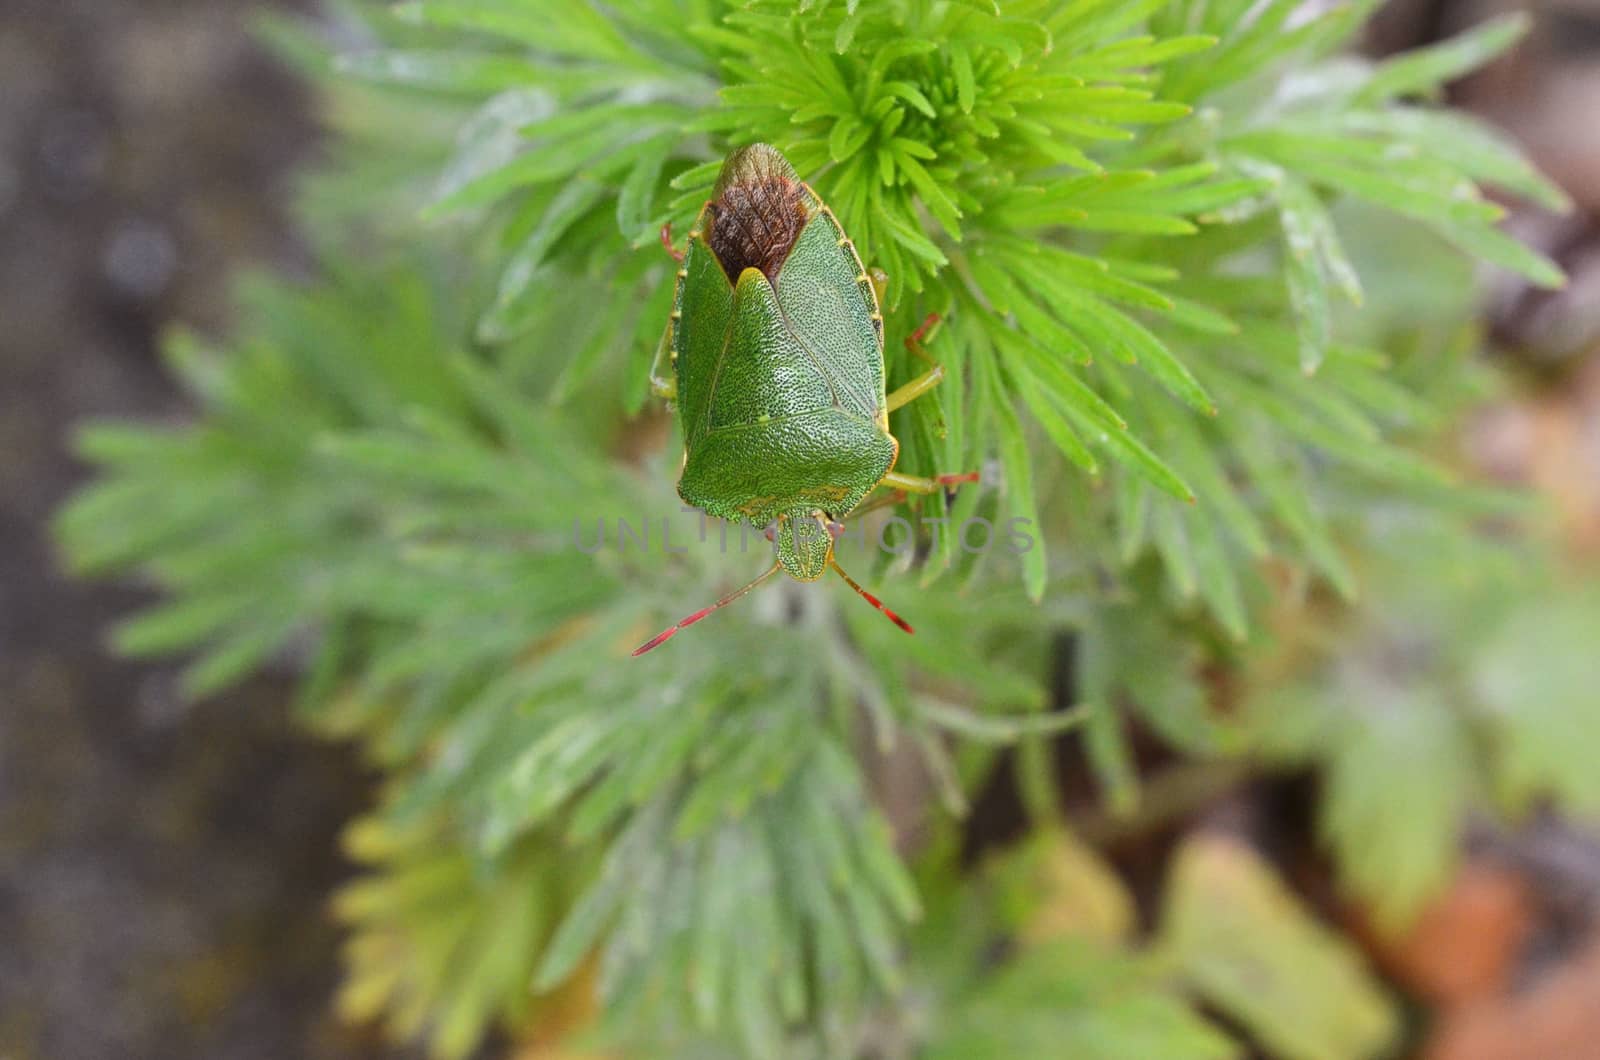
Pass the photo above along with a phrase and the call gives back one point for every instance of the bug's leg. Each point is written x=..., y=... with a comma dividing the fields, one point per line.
x=880, y=283
x=909, y=392
x=663, y=385
x=920, y=484
x=924, y=333
x=927, y=380
x=881, y=501
x=666, y=241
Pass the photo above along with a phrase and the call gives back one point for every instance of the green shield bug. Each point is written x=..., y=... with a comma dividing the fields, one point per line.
x=776, y=344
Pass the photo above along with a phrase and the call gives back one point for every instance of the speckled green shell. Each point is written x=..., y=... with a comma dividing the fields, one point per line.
x=780, y=385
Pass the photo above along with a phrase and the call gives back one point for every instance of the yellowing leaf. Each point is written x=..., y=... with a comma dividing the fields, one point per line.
x=1242, y=940
x=1057, y=887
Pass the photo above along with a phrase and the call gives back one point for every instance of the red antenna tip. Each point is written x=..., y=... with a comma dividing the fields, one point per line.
x=873, y=600
x=656, y=641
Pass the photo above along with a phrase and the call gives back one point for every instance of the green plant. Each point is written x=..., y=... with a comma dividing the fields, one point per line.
x=1135, y=219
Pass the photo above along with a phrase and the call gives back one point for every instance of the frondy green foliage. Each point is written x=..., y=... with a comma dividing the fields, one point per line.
x=1123, y=207
x=1147, y=225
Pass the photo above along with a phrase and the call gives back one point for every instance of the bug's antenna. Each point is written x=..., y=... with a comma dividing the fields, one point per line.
x=667, y=634
x=873, y=600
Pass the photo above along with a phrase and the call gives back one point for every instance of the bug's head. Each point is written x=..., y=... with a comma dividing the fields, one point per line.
x=754, y=164
x=803, y=542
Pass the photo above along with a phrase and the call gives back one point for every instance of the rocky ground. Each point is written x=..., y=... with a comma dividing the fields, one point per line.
x=164, y=867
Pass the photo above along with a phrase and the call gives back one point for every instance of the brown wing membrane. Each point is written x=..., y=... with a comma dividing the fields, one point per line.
x=757, y=214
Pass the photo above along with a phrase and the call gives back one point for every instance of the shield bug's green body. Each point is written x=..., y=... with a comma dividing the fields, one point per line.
x=776, y=343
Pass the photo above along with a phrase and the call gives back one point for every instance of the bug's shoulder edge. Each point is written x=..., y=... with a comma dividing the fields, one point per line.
x=695, y=235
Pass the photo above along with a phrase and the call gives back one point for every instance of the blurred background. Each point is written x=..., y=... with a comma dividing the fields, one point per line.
x=165, y=865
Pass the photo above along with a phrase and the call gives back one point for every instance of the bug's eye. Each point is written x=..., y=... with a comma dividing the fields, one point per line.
x=835, y=530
